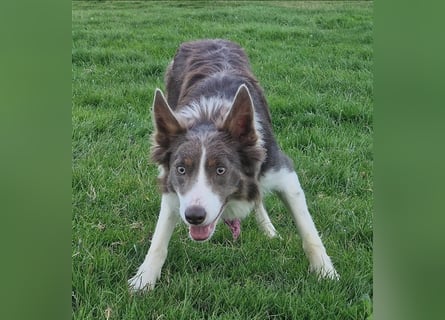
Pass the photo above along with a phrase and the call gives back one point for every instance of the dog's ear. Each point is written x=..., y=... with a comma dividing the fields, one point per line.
x=240, y=121
x=166, y=124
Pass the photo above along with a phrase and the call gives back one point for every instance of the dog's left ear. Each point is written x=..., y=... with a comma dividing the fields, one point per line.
x=240, y=122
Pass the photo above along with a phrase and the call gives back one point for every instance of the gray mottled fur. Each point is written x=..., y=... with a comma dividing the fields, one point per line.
x=216, y=68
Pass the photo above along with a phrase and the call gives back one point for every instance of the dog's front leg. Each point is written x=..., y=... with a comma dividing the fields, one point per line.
x=150, y=269
x=264, y=222
x=293, y=196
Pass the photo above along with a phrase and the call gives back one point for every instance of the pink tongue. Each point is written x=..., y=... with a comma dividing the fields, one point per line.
x=234, y=226
x=200, y=233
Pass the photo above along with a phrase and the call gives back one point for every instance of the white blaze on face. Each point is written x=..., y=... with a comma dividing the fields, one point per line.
x=201, y=194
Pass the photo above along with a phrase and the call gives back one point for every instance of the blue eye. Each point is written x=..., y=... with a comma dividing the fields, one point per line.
x=180, y=170
x=220, y=171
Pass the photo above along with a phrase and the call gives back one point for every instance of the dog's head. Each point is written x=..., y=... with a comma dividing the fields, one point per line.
x=209, y=153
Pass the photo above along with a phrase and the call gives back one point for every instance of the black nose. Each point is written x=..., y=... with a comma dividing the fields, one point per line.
x=195, y=215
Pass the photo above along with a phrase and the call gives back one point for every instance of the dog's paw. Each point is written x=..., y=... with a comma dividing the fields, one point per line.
x=324, y=268
x=326, y=272
x=142, y=281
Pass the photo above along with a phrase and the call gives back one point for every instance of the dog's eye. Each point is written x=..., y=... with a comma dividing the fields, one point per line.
x=220, y=171
x=180, y=170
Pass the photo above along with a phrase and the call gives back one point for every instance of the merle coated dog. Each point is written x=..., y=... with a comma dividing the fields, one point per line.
x=214, y=144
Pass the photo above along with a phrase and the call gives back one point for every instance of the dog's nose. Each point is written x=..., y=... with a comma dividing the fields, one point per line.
x=195, y=215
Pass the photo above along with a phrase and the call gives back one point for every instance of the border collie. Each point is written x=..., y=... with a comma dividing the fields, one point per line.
x=217, y=156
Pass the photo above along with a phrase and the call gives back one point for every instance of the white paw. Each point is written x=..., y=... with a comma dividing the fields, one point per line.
x=326, y=272
x=269, y=230
x=324, y=268
x=144, y=280
x=274, y=235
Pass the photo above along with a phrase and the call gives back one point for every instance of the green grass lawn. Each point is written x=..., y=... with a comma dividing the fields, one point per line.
x=314, y=61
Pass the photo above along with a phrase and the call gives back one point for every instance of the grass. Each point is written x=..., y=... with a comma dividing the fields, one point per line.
x=314, y=60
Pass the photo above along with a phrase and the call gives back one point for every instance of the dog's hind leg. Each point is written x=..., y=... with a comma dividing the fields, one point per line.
x=285, y=182
x=264, y=222
x=150, y=269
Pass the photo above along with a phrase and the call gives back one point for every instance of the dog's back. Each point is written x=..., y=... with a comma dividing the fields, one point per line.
x=208, y=68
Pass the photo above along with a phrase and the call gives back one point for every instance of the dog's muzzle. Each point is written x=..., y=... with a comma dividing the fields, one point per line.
x=196, y=215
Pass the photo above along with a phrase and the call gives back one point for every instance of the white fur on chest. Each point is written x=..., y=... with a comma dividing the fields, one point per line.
x=278, y=180
x=237, y=209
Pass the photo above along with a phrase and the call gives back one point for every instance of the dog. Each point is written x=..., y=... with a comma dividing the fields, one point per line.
x=217, y=156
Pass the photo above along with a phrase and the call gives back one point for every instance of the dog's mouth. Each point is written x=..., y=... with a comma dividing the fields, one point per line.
x=201, y=233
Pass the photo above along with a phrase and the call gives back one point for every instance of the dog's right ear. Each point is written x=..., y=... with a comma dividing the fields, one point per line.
x=166, y=124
